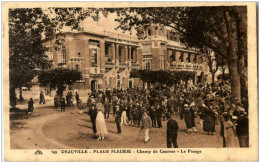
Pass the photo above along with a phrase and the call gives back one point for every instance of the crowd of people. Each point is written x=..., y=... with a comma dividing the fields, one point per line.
x=145, y=108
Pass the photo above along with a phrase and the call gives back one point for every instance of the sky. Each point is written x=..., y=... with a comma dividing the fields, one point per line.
x=107, y=24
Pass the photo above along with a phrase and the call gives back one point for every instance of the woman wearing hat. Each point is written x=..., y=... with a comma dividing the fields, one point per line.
x=209, y=120
x=229, y=132
x=192, y=111
x=187, y=118
x=100, y=122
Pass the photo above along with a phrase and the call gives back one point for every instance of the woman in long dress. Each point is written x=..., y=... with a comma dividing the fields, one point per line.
x=229, y=132
x=100, y=122
x=209, y=120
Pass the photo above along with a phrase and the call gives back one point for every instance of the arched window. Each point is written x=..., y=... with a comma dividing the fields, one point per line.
x=77, y=67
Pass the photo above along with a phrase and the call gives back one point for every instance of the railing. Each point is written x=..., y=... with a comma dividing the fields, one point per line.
x=110, y=64
x=135, y=66
x=122, y=64
x=120, y=36
x=185, y=66
x=76, y=59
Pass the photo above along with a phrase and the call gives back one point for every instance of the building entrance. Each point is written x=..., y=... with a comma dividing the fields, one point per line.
x=93, y=85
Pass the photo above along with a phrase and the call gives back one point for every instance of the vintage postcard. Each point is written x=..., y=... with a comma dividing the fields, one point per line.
x=130, y=81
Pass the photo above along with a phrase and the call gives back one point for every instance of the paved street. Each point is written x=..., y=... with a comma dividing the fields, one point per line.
x=47, y=127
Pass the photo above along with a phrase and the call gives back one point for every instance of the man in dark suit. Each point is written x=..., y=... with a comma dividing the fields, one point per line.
x=158, y=113
x=242, y=129
x=93, y=114
x=107, y=107
x=172, y=129
x=152, y=114
x=118, y=119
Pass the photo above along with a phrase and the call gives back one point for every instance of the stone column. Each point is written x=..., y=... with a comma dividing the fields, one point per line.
x=101, y=58
x=117, y=51
x=126, y=55
x=177, y=56
x=192, y=56
x=130, y=54
x=113, y=53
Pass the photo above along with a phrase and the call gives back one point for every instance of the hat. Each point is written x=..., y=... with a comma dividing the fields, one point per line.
x=242, y=109
x=186, y=105
x=192, y=104
x=203, y=105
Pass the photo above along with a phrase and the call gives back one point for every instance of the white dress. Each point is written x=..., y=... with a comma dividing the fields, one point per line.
x=100, y=124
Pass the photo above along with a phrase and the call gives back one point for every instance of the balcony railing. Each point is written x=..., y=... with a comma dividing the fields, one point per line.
x=76, y=59
x=120, y=36
x=110, y=64
x=186, y=66
x=122, y=64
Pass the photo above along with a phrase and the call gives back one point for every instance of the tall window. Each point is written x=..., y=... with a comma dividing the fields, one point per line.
x=148, y=65
x=63, y=55
x=93, y=57
x=161, y=32
x=147, y=48
x=77, y=67
x=173, y=55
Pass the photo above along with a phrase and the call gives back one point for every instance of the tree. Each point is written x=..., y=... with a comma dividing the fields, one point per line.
x=222, y=29
x=211, y=59
x=26, y=52
x=164, y=78
x=28, y=28
x=59, y=78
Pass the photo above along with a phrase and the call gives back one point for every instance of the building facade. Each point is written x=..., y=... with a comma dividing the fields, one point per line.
x=162, y=50
x=106, y=59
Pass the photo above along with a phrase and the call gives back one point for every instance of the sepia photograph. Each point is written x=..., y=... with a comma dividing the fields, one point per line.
x=129, y=78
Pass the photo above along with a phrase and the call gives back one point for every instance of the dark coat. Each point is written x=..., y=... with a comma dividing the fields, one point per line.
x=172, y=129
x=152, y=113
x=107, y=106
x=159, y=112
x=170, y=104
x=63, y=104
x=209, y=120
x=242, y=126
x=192, y=112
x=118, y=116
x=30, y=106
x=187, y=117
x=77, y=97
x=93, y=114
